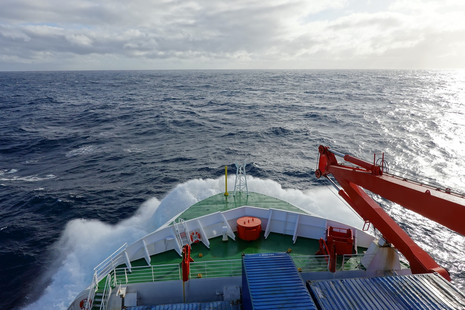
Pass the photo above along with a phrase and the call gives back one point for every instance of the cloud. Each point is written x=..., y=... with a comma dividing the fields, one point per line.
x=247, y=34
x=13, y=34
x=78, y=39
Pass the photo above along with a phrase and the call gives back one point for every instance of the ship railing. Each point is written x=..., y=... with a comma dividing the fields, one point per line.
x=102, y=270
x=143, y=274
x=311, y=263
x=109, y=263
x=223, y=268
x=92, y=289
x=106, y=294
x=355, y=261
x=216, y=269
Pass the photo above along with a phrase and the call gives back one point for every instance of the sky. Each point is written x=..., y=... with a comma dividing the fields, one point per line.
x=234, y=34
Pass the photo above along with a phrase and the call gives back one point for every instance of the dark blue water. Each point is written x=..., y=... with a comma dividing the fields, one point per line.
x=80, y=152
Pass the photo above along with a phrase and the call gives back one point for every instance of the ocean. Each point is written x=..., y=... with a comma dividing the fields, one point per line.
x=92, y=159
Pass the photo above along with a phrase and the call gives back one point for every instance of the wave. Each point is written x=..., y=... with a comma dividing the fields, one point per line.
x=30, y=178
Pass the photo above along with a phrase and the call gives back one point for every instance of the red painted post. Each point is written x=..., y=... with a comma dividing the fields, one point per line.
x=333, y=259
x=186, y=259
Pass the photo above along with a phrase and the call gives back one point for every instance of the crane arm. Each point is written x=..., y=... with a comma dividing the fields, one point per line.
x=441, y=206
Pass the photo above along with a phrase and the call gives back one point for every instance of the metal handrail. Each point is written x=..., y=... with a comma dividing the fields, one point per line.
x=107, y=265
x=93, y=288
x=182, y=232
x=311, y=263
x=211, y=269
x=354, y=261
x=100, y=271
x=145, y=274
x=216, y=269
x=104, y=303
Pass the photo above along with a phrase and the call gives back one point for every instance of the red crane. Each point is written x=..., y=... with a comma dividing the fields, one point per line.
x=441, y=206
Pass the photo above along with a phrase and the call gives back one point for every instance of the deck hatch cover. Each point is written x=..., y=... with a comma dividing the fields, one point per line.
x=419, y=291
x=271, y=281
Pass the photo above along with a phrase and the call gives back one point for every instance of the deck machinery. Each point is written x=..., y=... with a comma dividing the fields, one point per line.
x=440, y=205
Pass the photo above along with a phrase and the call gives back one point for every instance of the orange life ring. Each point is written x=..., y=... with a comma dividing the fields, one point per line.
x=195, y=237
x=83, y=303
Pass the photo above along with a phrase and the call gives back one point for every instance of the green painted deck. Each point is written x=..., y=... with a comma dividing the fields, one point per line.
x=231, y=249
x=227, y=250
x=220, y=250
x=222, y=203
x=223, y=258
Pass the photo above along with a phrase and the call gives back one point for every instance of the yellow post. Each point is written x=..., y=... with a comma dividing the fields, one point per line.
x=226, y=180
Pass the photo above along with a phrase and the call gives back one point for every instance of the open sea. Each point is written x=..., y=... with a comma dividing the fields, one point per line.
x=90, y=160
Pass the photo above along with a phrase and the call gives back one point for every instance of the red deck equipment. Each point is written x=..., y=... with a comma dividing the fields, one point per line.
x=186, y=260
x=249, y=228
x=339, y=241
x=439, y=205
x=341, y=238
